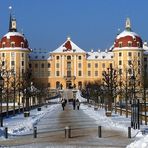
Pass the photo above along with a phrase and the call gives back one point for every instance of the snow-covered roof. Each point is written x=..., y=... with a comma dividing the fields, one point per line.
x=69, y=47
x=13, y=34
x=127, y=33
x=100, y=55
x=40, y=54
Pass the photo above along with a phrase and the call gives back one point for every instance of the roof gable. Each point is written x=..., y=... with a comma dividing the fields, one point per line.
x=68, y=46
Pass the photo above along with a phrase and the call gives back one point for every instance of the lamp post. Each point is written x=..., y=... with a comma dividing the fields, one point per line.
x=1, y=109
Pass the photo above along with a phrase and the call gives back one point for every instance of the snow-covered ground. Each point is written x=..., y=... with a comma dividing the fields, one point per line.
x=18, y=125
x=117, y=122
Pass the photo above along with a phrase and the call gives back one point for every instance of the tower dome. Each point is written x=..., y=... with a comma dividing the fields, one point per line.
x=13, y=39
x=128, y=38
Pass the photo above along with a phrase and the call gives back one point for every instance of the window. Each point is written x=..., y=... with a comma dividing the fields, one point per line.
x=129, y=54
x=57, y=65
x=79, y=65
x=3, y=54
x=30, y=66
x=120, y=44
x=57, y=73
x=138, y=54
x=43, y=57
x=79, y=57
x=120, y=54
x=89, y=73
x=120, y=71
x=3, y=63
x=22, y=55
x=120, y=62
x=80, y=73
x=36, y=65
x=48, y=85
x=129, y=71
x=96, y=65
x=57, y=57
x=138, y=63
x=42, y=65
x=129, y=62
x=68, y=65
x=12, y=63
x=22, y=44
x=145, y=59
x=68, y=73
x=89, y=65
x=36, y=57
x=49, y=65
x=22, y=63
x=3, y=45
x=12, y=44
x=68, y=57
x=57, y=84
x=129, y=44
x=96, y=73
x=103, y=57
x=23, y=71
x=12, y=54
x=138, y=44
x=103, y=65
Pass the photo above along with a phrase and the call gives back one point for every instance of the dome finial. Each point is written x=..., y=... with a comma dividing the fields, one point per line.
x=68, y=38
x=128, y=24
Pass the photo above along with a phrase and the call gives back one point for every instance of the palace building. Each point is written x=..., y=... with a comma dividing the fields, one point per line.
x=69, y=65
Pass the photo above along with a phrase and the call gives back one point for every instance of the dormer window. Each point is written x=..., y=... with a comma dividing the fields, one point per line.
x=120, y=44
x=22, y=44
x=138, y=44
x=3, y=45
x=36, y=57
x=96, y=57
x=12, y=44
x=129, y=44
x=103, y=57
x=43, y=57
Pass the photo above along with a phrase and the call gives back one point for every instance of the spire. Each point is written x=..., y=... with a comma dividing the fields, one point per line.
x=12, y=22
x=128, y=24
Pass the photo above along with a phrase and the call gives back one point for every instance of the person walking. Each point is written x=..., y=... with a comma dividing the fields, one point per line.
x=78, y=104
x=63, y=103
x=74, y=104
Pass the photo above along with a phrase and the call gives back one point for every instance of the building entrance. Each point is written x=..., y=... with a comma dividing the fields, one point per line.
x=68, y=84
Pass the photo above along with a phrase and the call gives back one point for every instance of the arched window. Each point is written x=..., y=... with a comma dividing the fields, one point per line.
x=22, y=44
x=57, y=84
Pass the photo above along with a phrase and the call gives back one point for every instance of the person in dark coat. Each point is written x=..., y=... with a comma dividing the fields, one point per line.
x=63, y=103
x=74, y=104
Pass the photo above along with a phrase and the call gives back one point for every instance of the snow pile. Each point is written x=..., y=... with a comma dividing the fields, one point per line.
x=142, y=143
x=19, y=125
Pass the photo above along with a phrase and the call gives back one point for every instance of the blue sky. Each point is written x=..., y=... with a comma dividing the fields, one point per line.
x=91, y=24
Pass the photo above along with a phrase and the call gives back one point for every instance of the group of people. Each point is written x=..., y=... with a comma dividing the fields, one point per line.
x=76, y=103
